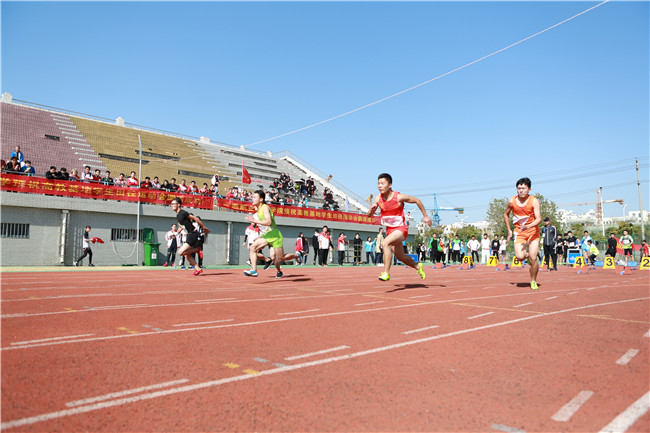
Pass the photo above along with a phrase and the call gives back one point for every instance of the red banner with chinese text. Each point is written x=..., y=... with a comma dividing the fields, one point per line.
x=300, y=212
x=39, y=185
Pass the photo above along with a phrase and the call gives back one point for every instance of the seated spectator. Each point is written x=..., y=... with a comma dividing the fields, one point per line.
x=155, y=184
x=120, y=181
x=230, y=195
x=183, y=186
x=107, y=179
x=97, y=177
x=19, y=156
x=86, y=175
x=165, y=185
x=74, y=175
x=288, y=201
x=204, y=189
x=172, y=185
x=132, y=181
x=63, y=174
x=13, y=166
x=193, y=189
x=28, y=170
x=52, y=174
x=146, y=183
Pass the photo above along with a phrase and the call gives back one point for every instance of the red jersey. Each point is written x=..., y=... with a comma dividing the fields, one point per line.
x=392, y=211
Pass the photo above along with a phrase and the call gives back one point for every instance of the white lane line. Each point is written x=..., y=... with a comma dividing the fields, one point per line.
x=285, y=295
x=623, y=360
x=216, y=300
x=552, y=297
x=573, y=293
x=204, y=323
x=568, y=410
x=298, y=312
x=369, y=303
x=51, y=339
x=123, y=393
x=523, y=305
x=627, y=419
x=481, y=315
x=188, y=388
x=507, y=429
x=419, y=330
x=460, y=291
x=341, y=290
x=320, y=352
x=647, y=334
x=419, y=296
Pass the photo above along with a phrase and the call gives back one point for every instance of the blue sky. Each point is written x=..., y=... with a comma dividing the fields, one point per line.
x=568, y=108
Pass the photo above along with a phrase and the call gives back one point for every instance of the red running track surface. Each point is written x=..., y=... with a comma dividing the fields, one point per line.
x=325, y=349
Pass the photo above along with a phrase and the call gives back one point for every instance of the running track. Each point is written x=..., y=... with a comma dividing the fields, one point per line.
x=325, y=349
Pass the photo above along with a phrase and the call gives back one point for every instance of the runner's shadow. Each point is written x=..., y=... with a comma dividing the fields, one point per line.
x=213, y=274
x=414, y=286
x=524, y=284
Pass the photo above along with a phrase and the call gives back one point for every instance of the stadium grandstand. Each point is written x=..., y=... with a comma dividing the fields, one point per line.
x=43, y=217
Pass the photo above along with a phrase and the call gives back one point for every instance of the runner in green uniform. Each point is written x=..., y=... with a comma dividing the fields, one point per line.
x=269, y=235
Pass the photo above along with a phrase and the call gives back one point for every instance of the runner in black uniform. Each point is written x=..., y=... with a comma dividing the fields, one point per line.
x=194, y=237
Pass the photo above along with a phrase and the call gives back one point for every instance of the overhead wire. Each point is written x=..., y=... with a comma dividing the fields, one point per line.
x=431, y=80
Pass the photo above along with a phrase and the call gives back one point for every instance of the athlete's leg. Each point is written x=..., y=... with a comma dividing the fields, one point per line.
x=533, y=249
x=256, y=246
x=402, y=257
x=392, y=243
x=187, y=251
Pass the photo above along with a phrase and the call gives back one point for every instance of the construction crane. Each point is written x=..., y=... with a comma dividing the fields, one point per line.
x=599, y=206
x=436, y=209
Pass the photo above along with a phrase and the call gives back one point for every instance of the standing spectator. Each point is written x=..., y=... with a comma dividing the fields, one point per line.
x=559, y=249
x=74, y=175
x=473, y=246
x=503, y=247
x=215, y=183
x=52, y=174
x=107, y=179
x=300, y=248
x=27, y=169
x=20, y=157
x=173, y=187
x=370, y=251
x=146, y=183
x=193, y=189
x=628, y=245
x=204, y=189
x=183, y=186
x=549, y=234
x=132, y=181
x=379, y=247
x=172, y=246
x=571, y=242
x=120, y=181
x=86, y=175
x=97, y=177
x=584, y=244
x=357, y=245
x=433, y=248
x=305, y=248
x=494, y=246
x=63, y=174
x=612, y=244
x=155, y=183
x=13, y=166
x=341, y=248
x=485, y=249
x=645, y=252
x=315, y=244
x=86, y=249
x=324, y=241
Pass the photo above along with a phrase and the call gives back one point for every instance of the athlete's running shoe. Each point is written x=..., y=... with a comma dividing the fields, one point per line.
x=268, y=264
x=250, y=273
x=165, y=265
x=533, y=285
x=198, y=271
x=279, y=274
x=384, y=276
x=75, y=263
x=421, y=271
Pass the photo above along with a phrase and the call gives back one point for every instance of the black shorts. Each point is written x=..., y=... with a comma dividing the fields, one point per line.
x=194, y=239
x=627, y=251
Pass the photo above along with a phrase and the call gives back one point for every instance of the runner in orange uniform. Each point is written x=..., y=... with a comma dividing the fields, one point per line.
x=391, y=204
x=526, y=217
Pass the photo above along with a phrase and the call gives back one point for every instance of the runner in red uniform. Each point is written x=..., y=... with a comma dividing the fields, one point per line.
x=391, y=204
x=526, y=217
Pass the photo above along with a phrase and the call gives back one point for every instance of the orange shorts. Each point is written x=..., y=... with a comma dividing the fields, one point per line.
x=528, y=235
x=403, y=229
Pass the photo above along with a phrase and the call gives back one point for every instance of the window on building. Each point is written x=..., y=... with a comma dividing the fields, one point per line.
x=15, y=230
x=124, y=235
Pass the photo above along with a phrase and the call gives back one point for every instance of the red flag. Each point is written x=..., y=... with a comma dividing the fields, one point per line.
x=245, y=177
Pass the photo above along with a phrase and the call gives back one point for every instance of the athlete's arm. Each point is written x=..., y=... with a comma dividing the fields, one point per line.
x=200, y=223
x=506, y=219
x=374, y=207
x=403, y=198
